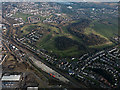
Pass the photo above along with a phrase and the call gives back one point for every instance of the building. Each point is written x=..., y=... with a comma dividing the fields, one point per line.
x=11, y=81
x=32, y=88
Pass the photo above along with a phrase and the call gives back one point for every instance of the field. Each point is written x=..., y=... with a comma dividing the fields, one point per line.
x=25, y=16
x=107, y=29
x=22, y=15
x=73, y=38
x=61, y=42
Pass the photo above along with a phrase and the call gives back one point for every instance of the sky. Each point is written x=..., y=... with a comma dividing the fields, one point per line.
x=59, y=0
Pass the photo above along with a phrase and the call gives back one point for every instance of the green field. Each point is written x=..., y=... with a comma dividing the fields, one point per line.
x=107, y=30
x=48, y=40
x=22, y=15
x=25, y=16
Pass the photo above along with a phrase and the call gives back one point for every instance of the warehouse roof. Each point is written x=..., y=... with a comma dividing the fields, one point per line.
x=11, y=78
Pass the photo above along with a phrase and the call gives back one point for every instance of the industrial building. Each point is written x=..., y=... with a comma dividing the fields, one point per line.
x=11, y=81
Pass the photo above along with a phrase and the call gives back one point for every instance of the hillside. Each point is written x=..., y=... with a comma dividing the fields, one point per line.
x=68, y=32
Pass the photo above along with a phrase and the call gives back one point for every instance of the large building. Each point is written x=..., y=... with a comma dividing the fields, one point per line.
x=11, y=81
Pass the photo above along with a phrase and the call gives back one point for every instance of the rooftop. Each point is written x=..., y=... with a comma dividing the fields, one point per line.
x=11, y=78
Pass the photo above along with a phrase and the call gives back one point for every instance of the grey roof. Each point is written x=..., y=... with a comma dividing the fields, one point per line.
x=11, y=78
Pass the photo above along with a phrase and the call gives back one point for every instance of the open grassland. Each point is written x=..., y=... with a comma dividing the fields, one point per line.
x=107, y=29
x=62, y=48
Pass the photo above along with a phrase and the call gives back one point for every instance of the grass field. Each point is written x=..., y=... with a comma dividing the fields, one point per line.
x=25, y=16
x=22, y=15
x=47, y=42
x=107, y=30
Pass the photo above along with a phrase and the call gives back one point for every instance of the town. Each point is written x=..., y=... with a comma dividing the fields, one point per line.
x=22, y=59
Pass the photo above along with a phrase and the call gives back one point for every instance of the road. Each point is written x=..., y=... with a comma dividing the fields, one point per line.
x=3, y=60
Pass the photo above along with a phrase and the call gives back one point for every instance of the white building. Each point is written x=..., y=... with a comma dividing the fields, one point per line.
x=11, y=78
x=11, y=81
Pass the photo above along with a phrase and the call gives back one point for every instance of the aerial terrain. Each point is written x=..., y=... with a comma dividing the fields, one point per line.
x=60, y=45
